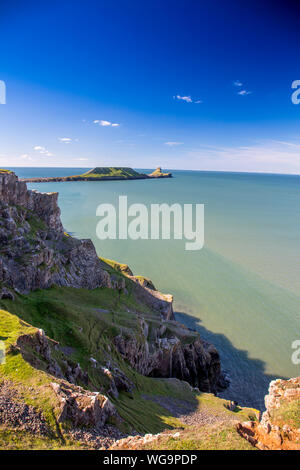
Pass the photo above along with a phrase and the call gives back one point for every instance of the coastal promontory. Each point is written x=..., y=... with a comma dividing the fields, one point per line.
x=103, y=174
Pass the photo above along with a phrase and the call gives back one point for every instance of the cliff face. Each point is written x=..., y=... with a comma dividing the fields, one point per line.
x=15, y=193
x=167, y=356
x=279, y=428
x=35, y=253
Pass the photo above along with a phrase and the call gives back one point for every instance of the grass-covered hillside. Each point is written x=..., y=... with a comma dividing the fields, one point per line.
x=83, y=324
x=96, y=174
x=112, y=172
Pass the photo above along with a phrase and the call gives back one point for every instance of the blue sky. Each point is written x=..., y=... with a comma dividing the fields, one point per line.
x=189, y=84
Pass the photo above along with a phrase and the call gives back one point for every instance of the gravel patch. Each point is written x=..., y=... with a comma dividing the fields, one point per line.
x=15, y=413
x=98, y=439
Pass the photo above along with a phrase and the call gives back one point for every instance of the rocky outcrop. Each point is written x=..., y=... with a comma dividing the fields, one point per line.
x=135, y=442
x=34, y=250
x=158, y=173
x=193, y=361
x=44, y=205
x=279, y=428
x=82, y=407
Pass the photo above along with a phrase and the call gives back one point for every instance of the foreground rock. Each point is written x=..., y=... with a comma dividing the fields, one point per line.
x=279, y=428
x=82, y=407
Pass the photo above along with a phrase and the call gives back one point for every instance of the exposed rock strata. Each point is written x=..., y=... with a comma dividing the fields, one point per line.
x=197, y=363
x=81, y=407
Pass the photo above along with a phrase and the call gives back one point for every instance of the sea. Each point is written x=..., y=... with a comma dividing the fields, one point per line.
x=241, y=291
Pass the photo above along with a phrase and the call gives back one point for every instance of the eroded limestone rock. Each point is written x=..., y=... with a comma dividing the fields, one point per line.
x=279, y=428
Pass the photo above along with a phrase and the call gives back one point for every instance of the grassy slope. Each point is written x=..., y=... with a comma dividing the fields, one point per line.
x=114, y=172
x=85, y=322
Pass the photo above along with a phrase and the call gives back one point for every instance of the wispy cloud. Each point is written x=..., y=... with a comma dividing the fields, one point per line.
x=103, y=123
x=173, y=144
x=187, y=99
x=65, y=140
x=271, y=156
x=42, y=150
x=242, y=92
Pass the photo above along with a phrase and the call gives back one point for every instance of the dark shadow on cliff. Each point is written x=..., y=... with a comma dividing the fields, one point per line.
x=249, y=381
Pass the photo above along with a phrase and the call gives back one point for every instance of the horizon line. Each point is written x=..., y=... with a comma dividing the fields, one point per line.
x=168, y=169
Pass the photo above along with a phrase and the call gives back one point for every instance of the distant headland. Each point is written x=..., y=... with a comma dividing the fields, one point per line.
x=103, y=174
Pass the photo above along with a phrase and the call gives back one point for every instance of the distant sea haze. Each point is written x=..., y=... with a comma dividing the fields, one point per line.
x=242, y=291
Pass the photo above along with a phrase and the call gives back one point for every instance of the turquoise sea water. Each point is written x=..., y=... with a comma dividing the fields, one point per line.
x=242, y=291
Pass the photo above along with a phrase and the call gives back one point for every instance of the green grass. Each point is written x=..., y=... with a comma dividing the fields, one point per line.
x=210, y=437
x=114, y=172
x=86, y=321
x=11, y=439
x=119, y=267
x=288, y=413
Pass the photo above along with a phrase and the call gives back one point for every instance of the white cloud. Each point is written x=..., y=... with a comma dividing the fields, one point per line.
x=106, y=123
x=81, y=159
x=65, y=140
x=42, y=150
x=244, y=92
x=173, y=144
x=187, y=99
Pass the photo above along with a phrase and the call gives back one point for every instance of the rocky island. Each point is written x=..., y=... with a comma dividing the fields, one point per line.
x=103, y=174
x=92, y=356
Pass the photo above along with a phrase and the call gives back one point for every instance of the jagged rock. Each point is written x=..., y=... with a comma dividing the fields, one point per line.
x=81, y=407
x=35, y=349
x=35, y=253
x=273, y=432
x=118, y=381
x=197, y=363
